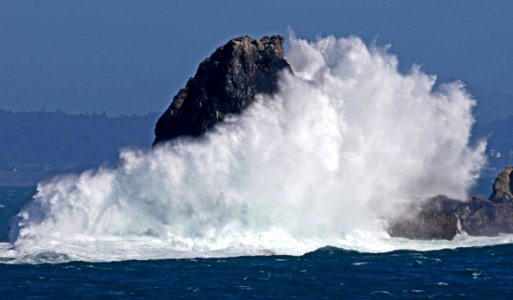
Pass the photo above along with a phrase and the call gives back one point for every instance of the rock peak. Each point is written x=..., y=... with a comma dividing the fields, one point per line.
x=503, y=186
x=225, y=83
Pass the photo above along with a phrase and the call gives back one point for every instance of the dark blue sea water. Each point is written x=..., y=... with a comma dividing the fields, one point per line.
x=326, y=273
x=479, y=272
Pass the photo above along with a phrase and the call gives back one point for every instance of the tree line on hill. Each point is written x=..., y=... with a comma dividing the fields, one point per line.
x=38, y=145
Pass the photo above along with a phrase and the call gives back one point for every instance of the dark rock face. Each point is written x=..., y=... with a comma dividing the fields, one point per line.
x=225, y=83
x=443, y=218
x=434, y=221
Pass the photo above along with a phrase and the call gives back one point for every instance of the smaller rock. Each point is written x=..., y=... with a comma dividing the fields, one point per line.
x=434, y=221
x=502, y=187
x=443, y=218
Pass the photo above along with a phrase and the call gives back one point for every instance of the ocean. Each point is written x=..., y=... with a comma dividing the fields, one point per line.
x=328, y=272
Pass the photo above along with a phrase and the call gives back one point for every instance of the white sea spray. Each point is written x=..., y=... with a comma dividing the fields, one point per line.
x=346, y=143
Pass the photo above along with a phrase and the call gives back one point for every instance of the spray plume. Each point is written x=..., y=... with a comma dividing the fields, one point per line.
x=346, y=143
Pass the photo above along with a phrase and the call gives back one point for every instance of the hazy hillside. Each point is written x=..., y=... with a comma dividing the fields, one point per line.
x=37, y=145
x=34, y=145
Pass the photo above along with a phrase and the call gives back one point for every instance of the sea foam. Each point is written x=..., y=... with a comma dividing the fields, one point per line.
x=345, y=144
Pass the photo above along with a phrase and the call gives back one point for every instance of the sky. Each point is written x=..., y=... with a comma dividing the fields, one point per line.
x=132, y=56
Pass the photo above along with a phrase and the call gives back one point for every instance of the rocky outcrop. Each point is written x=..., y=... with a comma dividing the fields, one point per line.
x=225, y=83
x=435, y=220
x=501, y=190
x=443, y=218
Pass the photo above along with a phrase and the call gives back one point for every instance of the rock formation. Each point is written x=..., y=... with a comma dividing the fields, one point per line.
x=501, y=190
x=228, y=81
x=443, y=218
x=225, y=83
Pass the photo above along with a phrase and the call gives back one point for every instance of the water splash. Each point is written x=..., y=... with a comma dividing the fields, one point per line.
x=346, y=142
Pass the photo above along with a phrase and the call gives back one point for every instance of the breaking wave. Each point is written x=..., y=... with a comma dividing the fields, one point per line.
x=346, y=143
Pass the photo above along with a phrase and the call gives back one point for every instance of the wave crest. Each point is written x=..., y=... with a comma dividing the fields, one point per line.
x=346, y=143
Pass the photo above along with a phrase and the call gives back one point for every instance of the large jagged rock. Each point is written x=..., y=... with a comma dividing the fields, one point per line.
x=225, y=83
x=443, y=218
